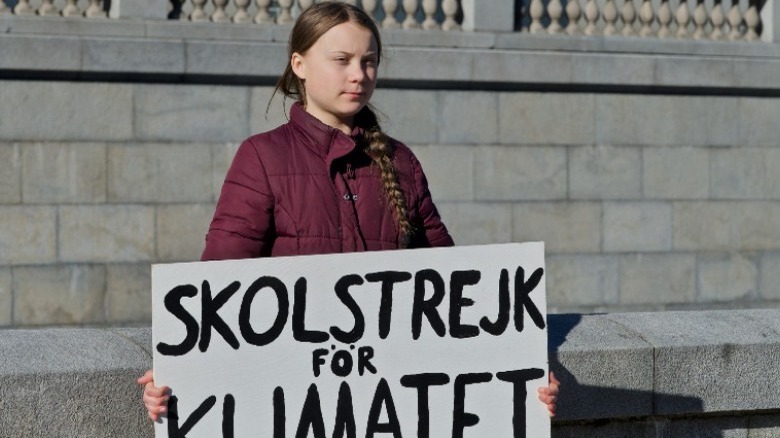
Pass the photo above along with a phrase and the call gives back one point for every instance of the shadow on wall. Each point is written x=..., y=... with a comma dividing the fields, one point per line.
x=589, y=410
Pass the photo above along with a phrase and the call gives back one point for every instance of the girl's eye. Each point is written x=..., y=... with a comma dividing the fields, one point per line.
x=341, y=60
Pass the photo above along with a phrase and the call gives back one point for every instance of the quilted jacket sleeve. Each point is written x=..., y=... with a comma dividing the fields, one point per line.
x=436, y=233
x=242, y=226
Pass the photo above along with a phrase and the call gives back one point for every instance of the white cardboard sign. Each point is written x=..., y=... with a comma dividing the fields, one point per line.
x=440, y=342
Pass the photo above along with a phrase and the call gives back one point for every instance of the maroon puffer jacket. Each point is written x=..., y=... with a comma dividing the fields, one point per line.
x=305, y=188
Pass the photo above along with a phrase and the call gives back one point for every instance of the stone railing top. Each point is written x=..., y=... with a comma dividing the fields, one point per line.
x=611, y=366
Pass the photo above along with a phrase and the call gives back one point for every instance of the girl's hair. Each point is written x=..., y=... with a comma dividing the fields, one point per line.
x=310, y=26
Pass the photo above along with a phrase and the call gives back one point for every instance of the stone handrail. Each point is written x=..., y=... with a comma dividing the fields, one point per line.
x=734, y=20
x=641, y=374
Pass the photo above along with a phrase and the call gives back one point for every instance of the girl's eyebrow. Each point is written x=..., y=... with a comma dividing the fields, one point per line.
x=342, y=52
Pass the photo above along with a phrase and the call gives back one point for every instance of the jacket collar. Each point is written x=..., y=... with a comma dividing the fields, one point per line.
x=324, y=140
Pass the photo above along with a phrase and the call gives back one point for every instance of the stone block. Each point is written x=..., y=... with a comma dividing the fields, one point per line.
x=525, y=118
x=266, y=114
x=54, y=372
x=727, y=277
x=392, y=38
x=520, y=173
x=243, y=59
x=135, y=55
x=769, y=276
x=191, y=112
x=222, y=157
x=703, y=225
x=580, y=346
x=28, y=235
x=72, y=294
x=40, y=52
x=675, y=173
x=520, y=66
x=64, y=173
x=745, y=173
x=637, y=226
x=11, y=170
x=408, y=115
x=581, y=280
x=610, y=69
x=95, y=111
x=128, y=293
x=151, y=172
x=181, y=231
x=695, y=352
x=605, y=172
x=477, y=223
x=6, y=298
x=420, y=64
x=696, y=72
x=449, y=170
x=468, y=117
x=657, y=279
x=565, y=227
x=757, y=124
x=624, y=119
x=493, y=17
x=112, y=233
x=726, y=226
x=757, y=72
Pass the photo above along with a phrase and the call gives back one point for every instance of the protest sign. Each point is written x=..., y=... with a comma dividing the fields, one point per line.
x=438, y=342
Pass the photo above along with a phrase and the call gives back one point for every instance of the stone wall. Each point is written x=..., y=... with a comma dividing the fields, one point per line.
x=646, y=375
x=649, y=168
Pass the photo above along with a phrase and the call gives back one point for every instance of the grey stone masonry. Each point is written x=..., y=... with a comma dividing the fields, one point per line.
x=638, y=375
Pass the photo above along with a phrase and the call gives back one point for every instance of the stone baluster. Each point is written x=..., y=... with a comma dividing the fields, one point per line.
x=242, y=12
x=71, y=9
x=4, y=9
x=285, y=12
x=410, y=9
x=536, y=12
x=734, y=18
x=628, y=15
x=262, y=15
x=429, y=8
x=95, y=9
x=370, y=7
x=390, y=6
x=573, y=13
x=47, y=8
x=450, y=8
x=23, y=8
x=305, y=4
x=610, y=17
x=198, y=14
x=591, y=17
x=219, y=15
x=752, y=19
x=555, y=11
x=646, y=16
x=664, y=19
x=699, y=19
x=682, y=17
x=717, y=18
x=350, y=2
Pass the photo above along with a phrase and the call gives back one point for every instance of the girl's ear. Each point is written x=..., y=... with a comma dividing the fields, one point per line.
x=296, y=62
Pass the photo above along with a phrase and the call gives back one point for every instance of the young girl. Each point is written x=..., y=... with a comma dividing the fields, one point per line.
x=329, y=180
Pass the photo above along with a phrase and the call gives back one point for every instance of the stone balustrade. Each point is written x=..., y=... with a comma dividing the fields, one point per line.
x=734, y=20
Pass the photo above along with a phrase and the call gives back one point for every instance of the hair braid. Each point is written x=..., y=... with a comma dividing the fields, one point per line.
x=381, y=151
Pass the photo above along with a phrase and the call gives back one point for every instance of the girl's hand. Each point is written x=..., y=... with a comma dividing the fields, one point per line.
x=155, y=398
x=549, y=395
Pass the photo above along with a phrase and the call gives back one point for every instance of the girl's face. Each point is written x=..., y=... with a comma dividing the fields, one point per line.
x=339, y=74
